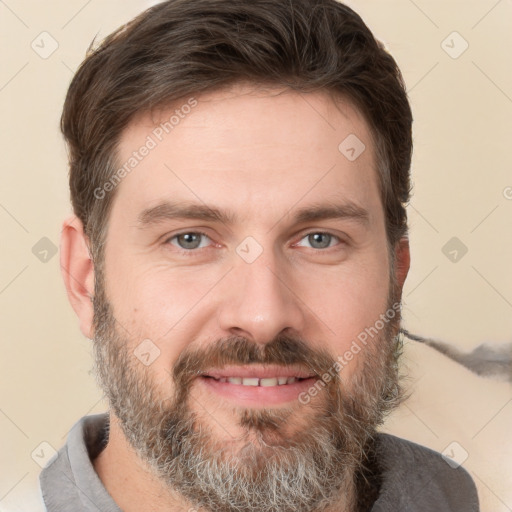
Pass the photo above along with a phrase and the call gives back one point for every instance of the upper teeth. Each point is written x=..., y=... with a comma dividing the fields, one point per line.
x=255, y=381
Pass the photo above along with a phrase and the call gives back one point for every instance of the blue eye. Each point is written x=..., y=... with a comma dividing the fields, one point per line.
x=319, y=240
x=190, y=240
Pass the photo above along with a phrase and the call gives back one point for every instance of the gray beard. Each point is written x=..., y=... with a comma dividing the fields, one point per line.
x=312, y=470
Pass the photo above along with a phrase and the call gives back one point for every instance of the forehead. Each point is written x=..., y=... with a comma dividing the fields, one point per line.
x=249, y=150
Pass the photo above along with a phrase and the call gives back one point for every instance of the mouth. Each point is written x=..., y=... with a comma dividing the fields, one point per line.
x=258, y=381
x=252, y=386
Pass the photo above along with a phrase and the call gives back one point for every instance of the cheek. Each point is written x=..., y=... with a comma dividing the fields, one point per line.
x=160, y=303
x=349, y=301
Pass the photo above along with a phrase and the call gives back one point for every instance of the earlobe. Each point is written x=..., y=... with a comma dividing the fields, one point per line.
x=402, y=261
x=78, y=272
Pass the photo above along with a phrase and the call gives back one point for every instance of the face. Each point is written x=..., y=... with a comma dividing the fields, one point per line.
x=245, y=313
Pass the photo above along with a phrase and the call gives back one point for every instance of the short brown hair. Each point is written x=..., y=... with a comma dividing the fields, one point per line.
x=184, y=47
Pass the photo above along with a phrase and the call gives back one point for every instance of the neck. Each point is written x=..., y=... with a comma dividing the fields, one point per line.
x=134, y=487
x=129, y=481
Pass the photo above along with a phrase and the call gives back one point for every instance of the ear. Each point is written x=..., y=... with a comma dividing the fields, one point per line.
x=402, y=261
x=78, y=272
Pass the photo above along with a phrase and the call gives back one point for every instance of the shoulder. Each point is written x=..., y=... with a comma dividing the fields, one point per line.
x=417, y=478
x=68, y=476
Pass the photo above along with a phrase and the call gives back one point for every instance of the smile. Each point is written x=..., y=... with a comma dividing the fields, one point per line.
x=258, y=386
x=255, y=381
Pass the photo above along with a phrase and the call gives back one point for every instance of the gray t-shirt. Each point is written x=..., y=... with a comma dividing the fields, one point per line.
x=413, y=478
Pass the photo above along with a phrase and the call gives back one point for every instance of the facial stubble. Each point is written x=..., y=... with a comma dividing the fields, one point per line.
x=301, y=458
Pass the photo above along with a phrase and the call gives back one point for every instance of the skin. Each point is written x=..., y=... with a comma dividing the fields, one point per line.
x=261, y=156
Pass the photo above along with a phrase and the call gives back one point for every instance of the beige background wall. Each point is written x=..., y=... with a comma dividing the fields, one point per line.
x=462, y=173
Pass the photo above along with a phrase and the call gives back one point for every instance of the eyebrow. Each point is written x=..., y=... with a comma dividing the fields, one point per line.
x=169, y=211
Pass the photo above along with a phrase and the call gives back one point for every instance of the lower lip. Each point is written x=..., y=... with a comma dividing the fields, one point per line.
x=258, y=396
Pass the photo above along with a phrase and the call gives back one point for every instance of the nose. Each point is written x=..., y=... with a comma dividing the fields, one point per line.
x=259, y=302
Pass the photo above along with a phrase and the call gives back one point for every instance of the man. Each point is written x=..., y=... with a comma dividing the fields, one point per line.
x=239, y=173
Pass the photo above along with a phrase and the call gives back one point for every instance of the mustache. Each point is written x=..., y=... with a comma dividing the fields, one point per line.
x=282, y=350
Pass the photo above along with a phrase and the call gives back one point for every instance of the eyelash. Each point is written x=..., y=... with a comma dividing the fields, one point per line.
x=192, y=252
x=187, y=252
